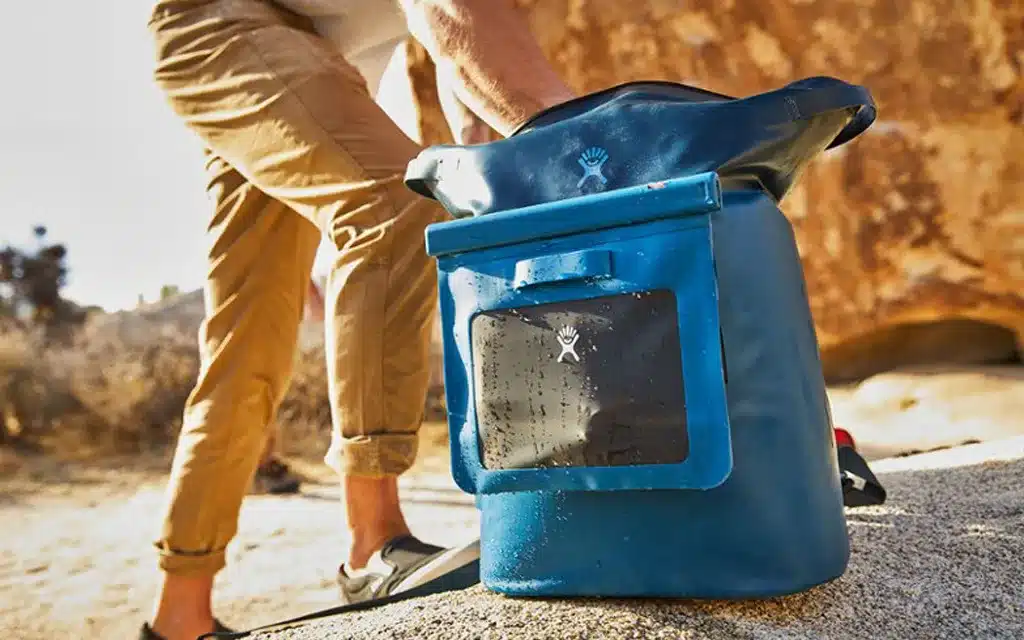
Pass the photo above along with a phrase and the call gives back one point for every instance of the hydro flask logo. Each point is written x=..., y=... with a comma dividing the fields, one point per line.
x=592, y=160
x=568, y=337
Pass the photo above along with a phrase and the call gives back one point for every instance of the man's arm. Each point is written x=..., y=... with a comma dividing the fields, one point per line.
x=466, y=126
x=484, y=51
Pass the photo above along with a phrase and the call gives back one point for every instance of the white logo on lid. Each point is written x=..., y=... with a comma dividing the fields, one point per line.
x=592, y=160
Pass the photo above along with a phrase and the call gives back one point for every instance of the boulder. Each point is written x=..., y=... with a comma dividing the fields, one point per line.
x=917, y=222
x=934, y=561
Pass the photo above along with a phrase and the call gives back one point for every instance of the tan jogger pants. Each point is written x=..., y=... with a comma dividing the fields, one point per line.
x=296, y=149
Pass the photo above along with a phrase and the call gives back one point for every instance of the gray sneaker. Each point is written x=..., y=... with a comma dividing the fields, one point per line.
x=403, y=564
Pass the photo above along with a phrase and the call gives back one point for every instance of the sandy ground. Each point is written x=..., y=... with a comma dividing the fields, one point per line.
x=76, y=560
x=942, y=559
x=938, y=561
x=916, y=410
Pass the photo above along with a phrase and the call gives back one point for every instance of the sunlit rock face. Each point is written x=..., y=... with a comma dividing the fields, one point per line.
x=919, y=220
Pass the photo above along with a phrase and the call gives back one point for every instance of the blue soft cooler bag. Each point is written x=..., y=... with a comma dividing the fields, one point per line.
x=632, y=375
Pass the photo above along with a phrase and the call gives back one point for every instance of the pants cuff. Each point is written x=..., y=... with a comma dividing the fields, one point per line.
x=192, y=564
x=375, y=456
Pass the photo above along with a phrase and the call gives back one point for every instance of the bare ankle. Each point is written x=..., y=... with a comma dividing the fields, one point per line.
x=374, y=516
x=183, y=608
x=365, y=544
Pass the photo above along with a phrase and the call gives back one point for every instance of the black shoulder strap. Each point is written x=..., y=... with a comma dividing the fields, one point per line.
x=860, y=486
x=462, y=578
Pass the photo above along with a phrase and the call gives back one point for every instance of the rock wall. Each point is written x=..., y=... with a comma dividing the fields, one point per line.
x=919, y=220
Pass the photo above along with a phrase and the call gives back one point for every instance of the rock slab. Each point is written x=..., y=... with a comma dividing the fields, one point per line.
x=935, y=561
x=920, y=220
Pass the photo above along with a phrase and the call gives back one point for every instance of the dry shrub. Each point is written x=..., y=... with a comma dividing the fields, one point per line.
x=24, y=387
x=93, y=397
x=135, y=391
x=37, y=403
x=121, y=384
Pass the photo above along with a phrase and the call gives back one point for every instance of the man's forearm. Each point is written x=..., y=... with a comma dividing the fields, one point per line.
x=466, y=126
x=485, y=52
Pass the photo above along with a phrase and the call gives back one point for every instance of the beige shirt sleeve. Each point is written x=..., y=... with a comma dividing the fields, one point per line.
x=366, y=32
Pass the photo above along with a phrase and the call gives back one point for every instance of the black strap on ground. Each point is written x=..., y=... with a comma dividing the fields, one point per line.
x=860, y=486
x=462, y=578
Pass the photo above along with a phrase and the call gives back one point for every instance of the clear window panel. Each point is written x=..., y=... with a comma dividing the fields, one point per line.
x=581, y=383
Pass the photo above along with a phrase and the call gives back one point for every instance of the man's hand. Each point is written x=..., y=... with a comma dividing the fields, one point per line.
x=484, y=51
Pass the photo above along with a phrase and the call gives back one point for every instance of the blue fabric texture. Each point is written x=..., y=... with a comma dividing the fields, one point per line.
x=643, y=132
x=654, y=186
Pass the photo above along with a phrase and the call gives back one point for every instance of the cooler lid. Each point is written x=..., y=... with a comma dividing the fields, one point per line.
x=678, y=197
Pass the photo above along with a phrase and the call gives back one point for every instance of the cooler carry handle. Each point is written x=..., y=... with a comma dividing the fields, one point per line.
x=563, y=267
x=803, y=99
x=819, y=95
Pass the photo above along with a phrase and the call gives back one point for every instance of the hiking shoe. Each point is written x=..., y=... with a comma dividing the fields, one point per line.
x=274, y=477
x=147, y=633
x=403, y=564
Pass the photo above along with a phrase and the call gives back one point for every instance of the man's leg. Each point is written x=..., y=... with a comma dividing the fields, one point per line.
x=260, y=256
x=294, y=118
